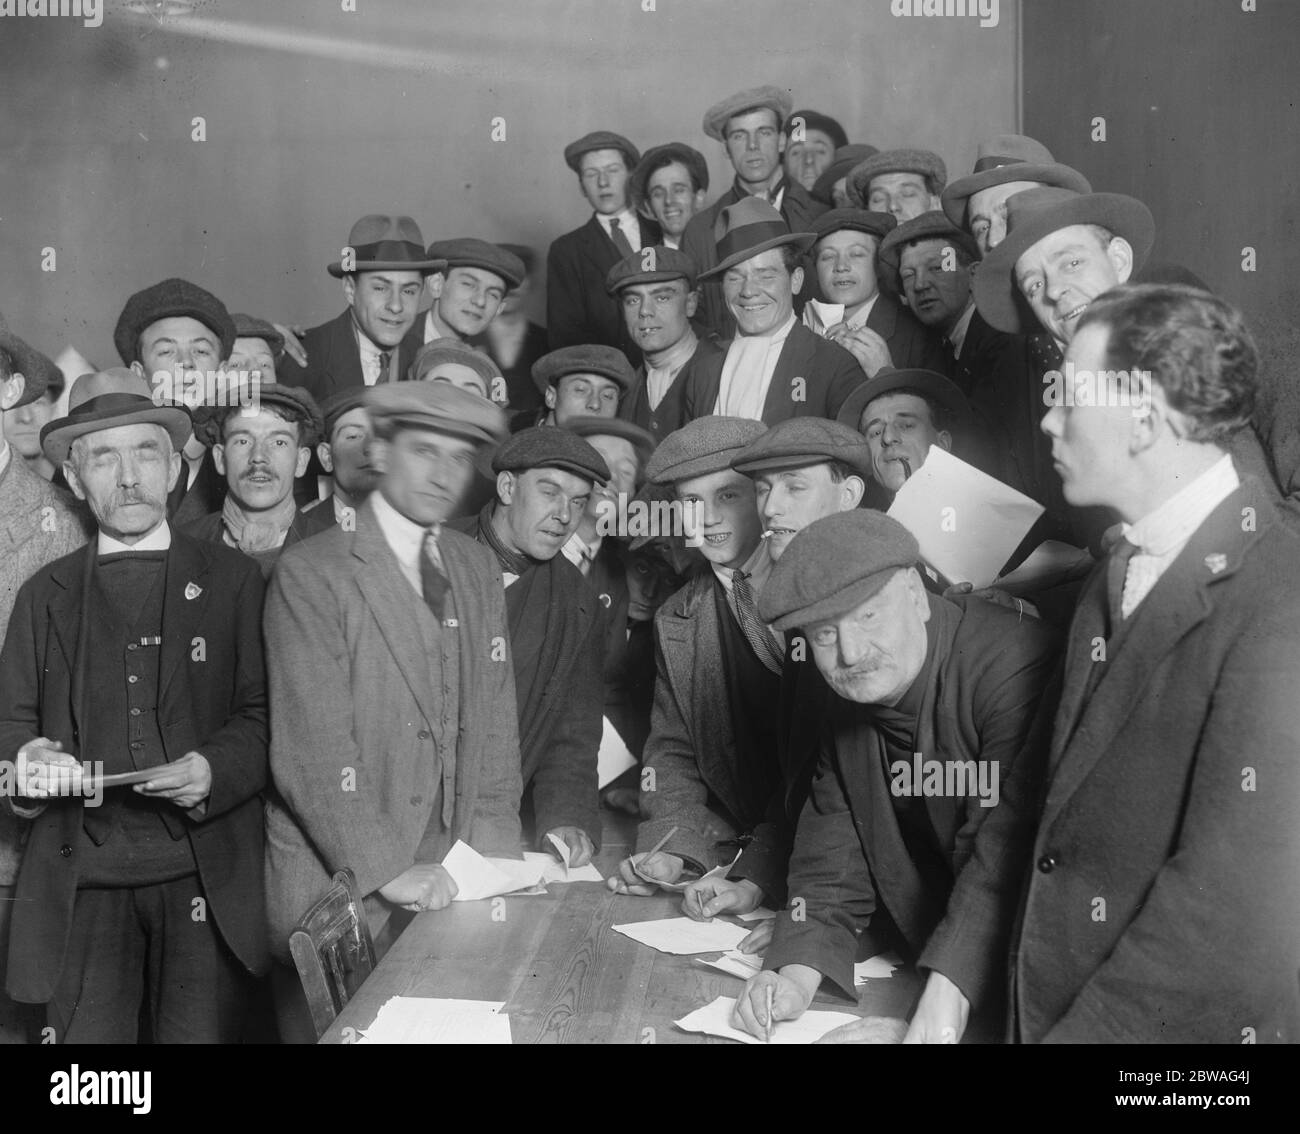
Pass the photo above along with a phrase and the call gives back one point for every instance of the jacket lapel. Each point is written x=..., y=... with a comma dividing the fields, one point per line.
x=597, y=247
x=343, y=363
x=883, y=317
x=69, y=627
x=186, y=593
x=794, y=361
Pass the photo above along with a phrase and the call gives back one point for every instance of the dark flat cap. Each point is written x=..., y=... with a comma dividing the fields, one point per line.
x=652, y=265
x=548, y=447
x=295, y=403
x=600, y=140
x=656, y=157
x=703, y=446
x=450, y=350
x=466, y=252
x=755, y=98
x=878, y=225
x=799, y=442
x=933, y=225
x=39, y=372
x=436, y=405
x=642, y=441
x=382, y=242
x=251, y=327
x=1008, y=157
x=923, y=162
x=846, y=158
x=888, y=380
x=585, y=358
x=105, y=400
x=815, y=120
x=833, y=566
x=164, y=301
x=337, y=404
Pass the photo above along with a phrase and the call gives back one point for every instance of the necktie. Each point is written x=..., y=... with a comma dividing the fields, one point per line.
x=1116, y=572
x=751, y=625
x=384, y=357
x=620, y=241
x=433, y=582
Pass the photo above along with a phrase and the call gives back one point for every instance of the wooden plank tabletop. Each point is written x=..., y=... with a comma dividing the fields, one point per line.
x=564, y=974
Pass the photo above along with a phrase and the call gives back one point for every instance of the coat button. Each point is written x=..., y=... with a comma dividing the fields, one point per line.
x=424, y=734
x=132, y=679
x=135, y=712
x=65, y=850
x=1048, y=863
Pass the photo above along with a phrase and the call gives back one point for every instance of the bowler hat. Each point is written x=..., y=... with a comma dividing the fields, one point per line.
x=933, y=225
x=656, y=157
x=39, y=372
x=755, y=98
x=600, y=140
x=926, y=163
x=165, y=300
x=888, y=380
x=435, y=405
x=584, y=358
x=749, y=227
x=107, y=399
x=1003, y=158
x=384, y=243
x=467, y=252
x=706, y=445
x=842, y=164
x=652, y=265
x=547, y=447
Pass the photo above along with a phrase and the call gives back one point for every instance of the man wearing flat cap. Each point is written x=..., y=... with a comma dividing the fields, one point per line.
x=811, y=141
x=449, y=360
x=258, y=347
x=831, y=188
x=578, y=309
x=905, y=183
x=775, y=367
x=392, y=687
x=140, y=655
x=544, y=481
x=37, y=383
x=750, y=126
x=656, y=289
x=932, y=701
x=580, y=381
x=668, y=186
x=469, y=292
x=344, y=452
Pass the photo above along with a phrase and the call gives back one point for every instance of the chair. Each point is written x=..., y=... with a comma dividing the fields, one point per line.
x=332, y=950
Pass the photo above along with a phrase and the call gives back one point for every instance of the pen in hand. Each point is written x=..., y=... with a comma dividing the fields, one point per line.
x=767, y=1030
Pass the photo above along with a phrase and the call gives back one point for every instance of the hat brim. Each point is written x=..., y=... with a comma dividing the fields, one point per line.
x=931, y=385
x=424, y=267
x=57, y=438
x=510, y=279
x=39, y=372
x=620, y=380
x=859, y=461
x=453, y=428
x=802, y=241
x=955, y=199
x=996, y=295
x=704, y=465
x=836, y=605
x=649, y=278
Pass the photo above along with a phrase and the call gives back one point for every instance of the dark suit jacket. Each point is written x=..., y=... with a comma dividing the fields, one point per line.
x=205, y=495
x=334, y=360
x=577, y=308
x=670, y=413
x=911, y=344
x=829, y=373
x=212, y=701
x=1170, y=797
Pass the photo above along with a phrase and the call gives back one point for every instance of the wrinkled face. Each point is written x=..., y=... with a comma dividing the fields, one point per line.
x=935, y=286
x=468, y=299
x=986, y=212
x=846, y=267
x=22, y=426
x=578, y=395
x=178, y=342
x=260, y=457
x=255, y=356
x=760, y=292
x=658, y=315
x=898, y=427
x=124, y=474
x=347, y=454
x=903, y=194
x=384, y=304
x=754, y=144
x=603, y=174
x=672, y=197
x=789, y=500
x=424, y=473
x=542, y=509
x=459, y=375
x=1067, y=270
x=722, y=504
x=807, y=160
x=873, y=654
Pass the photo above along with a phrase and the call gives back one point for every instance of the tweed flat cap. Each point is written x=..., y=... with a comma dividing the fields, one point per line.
x=449, y=350
x=292, y=401
x=381, y=242
x=834, y=565
x=436, y=405
x=924, y=162
x=656, y=157
x=39, y=372
x=547, y=447
x=642, y=441
x=105, y=400
x=888, y=380
x=337, y=404
x=652, y=265
x=755, y=98
x=815, y=120
x=878, y=225
x=165, y=300
x=251, y=327
x=467, y=252
x=703, y=446
x=933, y=225
x=846, y=158
x=799, y=442
x=585, y=358
x=1003, y=158
x=600, y=140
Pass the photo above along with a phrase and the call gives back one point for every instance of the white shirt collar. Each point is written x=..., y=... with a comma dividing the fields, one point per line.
x=627, y=224
x=1173, y=523
x=957, y=336
x=821, y=317
x=778, y=336
x=758, y=565
x=160, y=539
x=404, y=536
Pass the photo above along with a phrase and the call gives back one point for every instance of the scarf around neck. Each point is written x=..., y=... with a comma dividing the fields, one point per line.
x=265, y=532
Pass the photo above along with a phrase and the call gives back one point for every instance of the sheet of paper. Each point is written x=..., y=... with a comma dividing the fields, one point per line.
x=715, y=1020
x=477, y=877
x=417, y=1019
x=614, y=757
x=879, y=967
x=738, y=964
x=553, y=871
x=682, y=936
x=1051, y=561
x=967, y=523
x=760, y=914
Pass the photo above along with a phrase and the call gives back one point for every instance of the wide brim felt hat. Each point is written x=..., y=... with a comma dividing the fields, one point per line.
x=888, y=380
x=39, y=372
x=1037, y=213
x=749, y=228
x=108, y=399
x=384, y=243
x=1008, y=157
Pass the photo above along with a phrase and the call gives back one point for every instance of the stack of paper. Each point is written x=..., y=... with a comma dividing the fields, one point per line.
x=414, y=1019
x=555, y=871
x=715, y=1020
x=682, y=936
x=477, y=877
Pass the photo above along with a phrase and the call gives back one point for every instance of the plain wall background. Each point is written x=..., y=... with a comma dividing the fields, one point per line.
x=391, y=112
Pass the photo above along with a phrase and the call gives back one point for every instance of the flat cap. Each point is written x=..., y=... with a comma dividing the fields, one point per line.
x=815, y=120
x=467, y=252
x=878, y=225
x=337, y=404
x=584, y=358
x=703, y=446
x=600, y=140
x=436, y=405
x=924, y=162
x=933, y=225
x=295, y=403
x=251, y=327
x=548, y=447
x=642, y=440
x=165, y=300
x=843, y=163
x=652, y=265
x=39, y=372
x=798, y=442
x=834, y=565
x=656, y=157
x=756, y=98
x=450, y=350
x=1004, y=158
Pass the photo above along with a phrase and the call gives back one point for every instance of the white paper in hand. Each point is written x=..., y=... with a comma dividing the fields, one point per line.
x=614, y=757
x=715, y=1020
x=477, y=877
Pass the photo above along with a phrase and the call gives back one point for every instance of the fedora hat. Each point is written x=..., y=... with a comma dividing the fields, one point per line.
x=887, y=380
x=39, y=373
x=105, y=400
x=748, y=227
x=1037, y=213
x=383, y=243
x=1003, y=158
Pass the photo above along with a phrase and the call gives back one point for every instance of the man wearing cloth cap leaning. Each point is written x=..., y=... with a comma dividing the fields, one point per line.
x=749, y=124
x=544, y=480
x=905, y=183
x=775, y=367
x=391, y=687
x=924, y=689
x=142, y=653
x=578, y=309
x=258, y=347
x=344, y=453
x=831, y=188
x=668, y=186
x=579, y=381
x=469, y=292
x=450, y=360
x=656, y=288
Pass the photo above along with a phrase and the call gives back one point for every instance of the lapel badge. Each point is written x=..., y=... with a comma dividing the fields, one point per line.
x=1216, y=562
x=192, y=591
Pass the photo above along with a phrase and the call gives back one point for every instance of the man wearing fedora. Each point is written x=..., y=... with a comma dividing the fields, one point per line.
x=750, y=126
x=468, y=293
x=141, y=654
x=578, y=309
x=904, y=183
x=812, y=138
x=831, y=188
x=775, y=367
x=383, y=269
x=668, y=186
x=579, y=381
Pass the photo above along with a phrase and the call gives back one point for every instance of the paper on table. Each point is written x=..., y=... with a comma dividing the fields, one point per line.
x=477, y=877
x=682, y=936
x=967, y=523
x=746, y=965
x=415, y=1019
x=879, y=967
x=614, y=757
x=553, y=871
x=715, y=1020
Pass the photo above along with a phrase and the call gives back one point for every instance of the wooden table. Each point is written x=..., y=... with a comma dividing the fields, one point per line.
x=564, y=974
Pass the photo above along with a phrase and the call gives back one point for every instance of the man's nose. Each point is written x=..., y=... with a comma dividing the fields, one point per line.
x=852, y=649
x=1051, y=423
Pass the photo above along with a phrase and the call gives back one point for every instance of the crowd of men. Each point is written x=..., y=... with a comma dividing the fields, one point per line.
x=380, y=602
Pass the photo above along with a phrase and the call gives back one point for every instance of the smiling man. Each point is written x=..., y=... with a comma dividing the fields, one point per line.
x=668, y=186
x=469, y=292
x=581, y=381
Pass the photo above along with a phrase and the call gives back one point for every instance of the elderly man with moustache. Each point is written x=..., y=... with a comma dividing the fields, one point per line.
x=905, y=183
x=668, y=186
x=469, y=291
x=141, y=654
x=579, y=381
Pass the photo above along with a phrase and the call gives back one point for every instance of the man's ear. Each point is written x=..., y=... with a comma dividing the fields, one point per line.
x=176, y=463
x=219, y=458
x=506, y=487
x=945, y=439
x=796, y=281
x=74, y=481
x=549, y=397
x=138, y=367
x=692, y=303
x=1120, y=253
x=700, y=197
x=852, y=489
x=11, y=390
x=434, y=284
x=304, y=456
x=325, y=455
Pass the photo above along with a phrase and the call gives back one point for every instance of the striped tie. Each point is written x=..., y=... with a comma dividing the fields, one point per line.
x=758, y=635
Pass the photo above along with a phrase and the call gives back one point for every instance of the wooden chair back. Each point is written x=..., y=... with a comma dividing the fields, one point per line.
x=332, y=950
